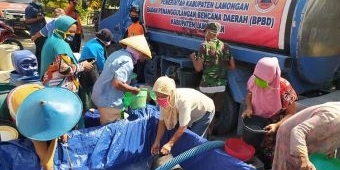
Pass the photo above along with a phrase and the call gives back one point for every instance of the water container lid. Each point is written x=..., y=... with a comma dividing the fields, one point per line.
x=8, y=133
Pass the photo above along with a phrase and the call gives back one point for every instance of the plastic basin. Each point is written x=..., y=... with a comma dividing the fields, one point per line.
x=239, y=149
x=322, y=162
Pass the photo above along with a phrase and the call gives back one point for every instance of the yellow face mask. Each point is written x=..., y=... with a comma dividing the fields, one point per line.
x=67, y=36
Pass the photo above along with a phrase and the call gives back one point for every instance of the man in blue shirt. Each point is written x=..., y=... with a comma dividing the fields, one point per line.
x=115, y=78
x=94, y=50
x=50, y=26
x=35, y=20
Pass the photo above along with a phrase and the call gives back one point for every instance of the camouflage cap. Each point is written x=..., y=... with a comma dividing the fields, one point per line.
x=213, y=26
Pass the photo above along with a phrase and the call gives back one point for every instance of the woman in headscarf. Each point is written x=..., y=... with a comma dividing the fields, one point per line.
x=185, y=106
x=315, y=129
x=272, y=97
x=114, y=81
x=59, y=66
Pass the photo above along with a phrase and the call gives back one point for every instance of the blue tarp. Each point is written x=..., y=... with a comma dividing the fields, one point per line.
x=124, y=145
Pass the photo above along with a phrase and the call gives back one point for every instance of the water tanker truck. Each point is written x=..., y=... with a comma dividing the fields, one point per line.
x=303, y=34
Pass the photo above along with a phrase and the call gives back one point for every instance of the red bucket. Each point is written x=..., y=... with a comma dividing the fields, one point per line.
x=239, y=149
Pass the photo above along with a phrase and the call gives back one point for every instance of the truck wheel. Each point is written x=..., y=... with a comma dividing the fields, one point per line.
x=337, y=84
x=337, y=79
x=226, y=121
x=14, y=42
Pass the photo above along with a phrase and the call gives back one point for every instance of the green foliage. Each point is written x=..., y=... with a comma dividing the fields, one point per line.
x=95, y=4
x=50, y=5
x=83, y=12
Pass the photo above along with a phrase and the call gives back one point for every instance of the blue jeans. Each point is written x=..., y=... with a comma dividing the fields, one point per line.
x=200, y=127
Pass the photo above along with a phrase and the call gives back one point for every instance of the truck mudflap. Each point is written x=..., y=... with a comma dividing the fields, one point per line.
x=226, y=121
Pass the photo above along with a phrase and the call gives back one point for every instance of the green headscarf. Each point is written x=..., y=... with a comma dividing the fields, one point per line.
x=56, y=45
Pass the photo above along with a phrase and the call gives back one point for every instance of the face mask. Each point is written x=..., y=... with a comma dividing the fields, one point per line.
x=134, y=19
x=105, y=43
x=261, y=83
x=135, y=54
x=39, y=3
x=69, y=37
x=163, y=102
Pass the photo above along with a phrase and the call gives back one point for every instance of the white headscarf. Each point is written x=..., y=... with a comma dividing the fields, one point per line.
x=167, y=86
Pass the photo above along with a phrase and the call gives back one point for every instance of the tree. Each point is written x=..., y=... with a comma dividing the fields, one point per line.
x=94, y=4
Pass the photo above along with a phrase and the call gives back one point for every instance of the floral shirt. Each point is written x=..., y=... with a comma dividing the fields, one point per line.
x=287, y=93
x=62, y=73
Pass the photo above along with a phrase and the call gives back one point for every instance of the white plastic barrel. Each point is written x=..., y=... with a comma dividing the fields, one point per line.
x=6, y=51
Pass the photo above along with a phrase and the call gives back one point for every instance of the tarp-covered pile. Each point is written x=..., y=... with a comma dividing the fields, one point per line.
x=124, y=145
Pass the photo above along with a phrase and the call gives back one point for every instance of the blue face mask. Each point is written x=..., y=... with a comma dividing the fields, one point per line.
x=69, y=38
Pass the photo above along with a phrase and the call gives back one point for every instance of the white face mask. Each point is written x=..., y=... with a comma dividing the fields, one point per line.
x=105, y=43
x=39, y=3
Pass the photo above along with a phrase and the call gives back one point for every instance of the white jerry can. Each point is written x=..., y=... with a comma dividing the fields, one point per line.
x=6, y=51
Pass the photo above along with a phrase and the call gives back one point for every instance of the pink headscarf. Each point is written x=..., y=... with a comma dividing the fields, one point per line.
x=266, y=102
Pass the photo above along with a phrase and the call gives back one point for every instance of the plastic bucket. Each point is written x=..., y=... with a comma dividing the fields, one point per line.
x=188, y=77
x=322, y=162
x=92, y=118
x=139, y=101
x=4, y=90
x=136, y=101
x=8, y=133
x=253, y=132
x=6, y=51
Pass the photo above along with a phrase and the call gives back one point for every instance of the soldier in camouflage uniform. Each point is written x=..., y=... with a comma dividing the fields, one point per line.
x=214, y=59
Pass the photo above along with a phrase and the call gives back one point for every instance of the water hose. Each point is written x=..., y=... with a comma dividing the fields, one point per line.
x=190, y=153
